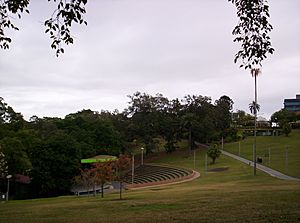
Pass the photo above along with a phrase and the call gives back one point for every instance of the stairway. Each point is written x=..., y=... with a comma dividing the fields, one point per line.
x=152, y=174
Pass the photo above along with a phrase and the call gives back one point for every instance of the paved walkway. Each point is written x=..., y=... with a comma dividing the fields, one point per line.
x=273, y=173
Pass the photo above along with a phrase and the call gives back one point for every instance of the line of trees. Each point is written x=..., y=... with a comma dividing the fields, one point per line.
x=286, y=120
x=49, y=149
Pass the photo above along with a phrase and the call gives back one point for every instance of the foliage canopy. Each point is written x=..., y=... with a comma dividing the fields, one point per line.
x=49, y=150
x=252, y=31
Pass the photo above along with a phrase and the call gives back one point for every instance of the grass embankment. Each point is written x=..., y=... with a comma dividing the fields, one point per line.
x=233, y=195
x=279, y=147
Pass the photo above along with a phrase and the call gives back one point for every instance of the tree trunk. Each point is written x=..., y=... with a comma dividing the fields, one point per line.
x=94, y=188
x=222, y=142
x=120, y=190
x=255, y=118
x=132, y=170
x=102, y=192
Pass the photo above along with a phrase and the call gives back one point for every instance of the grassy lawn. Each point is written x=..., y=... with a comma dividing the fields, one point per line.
x=233, y=195
x=277, y=145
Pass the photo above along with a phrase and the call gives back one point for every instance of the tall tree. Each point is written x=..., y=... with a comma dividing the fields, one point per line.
x=189, y=121
x=254, y=108
x=255, y=72
x=286, y=128
x=17, y=158
x=103, y=173
x=282, y=116
x=223, y=108
x=201, y=108
x=85, y=179
x=55, y=163
x=8, y=115
x=241, y=118
x=146, y=114
x=170, y=130
x=252, y=31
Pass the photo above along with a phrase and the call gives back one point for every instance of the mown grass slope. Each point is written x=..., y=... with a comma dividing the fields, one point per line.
x=285, y=151
x=234, y=195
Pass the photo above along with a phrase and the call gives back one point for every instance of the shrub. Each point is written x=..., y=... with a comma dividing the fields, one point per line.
x=214, y=152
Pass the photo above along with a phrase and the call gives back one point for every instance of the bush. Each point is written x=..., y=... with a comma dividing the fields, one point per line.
x=286, y=128
x=170, y=146
x=214, y=152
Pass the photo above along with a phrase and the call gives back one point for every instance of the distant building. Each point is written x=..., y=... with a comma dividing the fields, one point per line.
x=263, y=122
x=292, y=105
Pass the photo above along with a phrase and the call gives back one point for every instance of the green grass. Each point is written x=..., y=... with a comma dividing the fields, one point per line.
x=234, y=195
x=277, y=145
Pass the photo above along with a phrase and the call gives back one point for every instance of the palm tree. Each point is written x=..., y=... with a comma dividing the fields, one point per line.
x=255, y=72
x=254, y=108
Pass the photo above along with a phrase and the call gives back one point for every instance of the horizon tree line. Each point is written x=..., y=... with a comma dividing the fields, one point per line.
x=48, y=150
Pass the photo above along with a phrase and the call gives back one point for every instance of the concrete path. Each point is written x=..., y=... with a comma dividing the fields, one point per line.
x=273, y=173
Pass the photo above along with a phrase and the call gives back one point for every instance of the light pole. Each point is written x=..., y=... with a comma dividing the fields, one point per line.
x=194, y=159
x=205, y=163
x=7, y=192
x=269, y=155
x=142, y=161
x=286, y=158
x=132, y=173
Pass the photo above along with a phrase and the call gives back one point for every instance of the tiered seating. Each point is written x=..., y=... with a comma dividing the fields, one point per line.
x=150, y=173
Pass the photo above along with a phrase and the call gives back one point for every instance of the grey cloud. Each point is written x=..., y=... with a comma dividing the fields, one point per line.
x=174, y=47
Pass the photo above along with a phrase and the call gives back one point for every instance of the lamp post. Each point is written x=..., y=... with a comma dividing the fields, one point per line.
x=7, y=192
x=205, y=163
x=132, y=170
x=194, y=159
x=142, y=160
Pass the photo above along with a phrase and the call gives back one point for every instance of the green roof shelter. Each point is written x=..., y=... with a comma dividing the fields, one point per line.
x=99, y=159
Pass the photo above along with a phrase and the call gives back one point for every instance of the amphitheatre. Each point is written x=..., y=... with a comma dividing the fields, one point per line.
x=140, y=111
x=179, y=194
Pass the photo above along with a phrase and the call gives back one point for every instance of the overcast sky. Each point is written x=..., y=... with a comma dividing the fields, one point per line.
x=173, y=47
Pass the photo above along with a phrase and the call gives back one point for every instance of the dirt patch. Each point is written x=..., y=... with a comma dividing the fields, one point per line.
x=219, y=169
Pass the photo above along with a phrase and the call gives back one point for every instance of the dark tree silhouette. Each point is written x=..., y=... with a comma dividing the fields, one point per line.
x=252, y=31
x=254, y=108
x=57, y=26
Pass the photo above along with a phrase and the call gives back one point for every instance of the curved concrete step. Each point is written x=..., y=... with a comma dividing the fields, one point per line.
x=151, y=174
